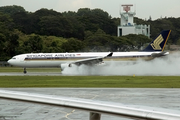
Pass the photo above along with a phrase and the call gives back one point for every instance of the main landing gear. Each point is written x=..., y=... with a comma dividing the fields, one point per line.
x=24, y=71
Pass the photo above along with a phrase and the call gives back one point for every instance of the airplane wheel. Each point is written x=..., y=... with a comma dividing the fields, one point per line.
x=24, y=71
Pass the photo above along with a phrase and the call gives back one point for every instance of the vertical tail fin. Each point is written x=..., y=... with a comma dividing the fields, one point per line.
x=159, y=43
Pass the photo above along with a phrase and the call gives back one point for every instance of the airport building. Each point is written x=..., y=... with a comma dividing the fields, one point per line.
x=127, y=25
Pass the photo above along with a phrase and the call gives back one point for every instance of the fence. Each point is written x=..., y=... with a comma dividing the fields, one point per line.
x=4, y=64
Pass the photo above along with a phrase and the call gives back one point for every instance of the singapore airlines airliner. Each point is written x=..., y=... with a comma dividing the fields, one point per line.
x=63, y=60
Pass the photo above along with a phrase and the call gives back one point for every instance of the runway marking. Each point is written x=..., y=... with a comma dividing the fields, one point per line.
x=94, y=97
x=69, y=114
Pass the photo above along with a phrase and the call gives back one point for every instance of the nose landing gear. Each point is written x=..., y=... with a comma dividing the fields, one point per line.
x=24, y=71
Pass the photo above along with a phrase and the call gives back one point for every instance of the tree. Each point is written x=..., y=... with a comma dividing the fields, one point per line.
x=45, y=12
x=178, y=41
x=100, y=41
x=72, y=45
x=11, y=44
x=6, y=24
x=34, y=44
x=138, y=40
x=150, y=19
x=11, y=9
x=95, y=19
x=77, y=28
x=2, y=42
x=55, y=25
x=53, y=44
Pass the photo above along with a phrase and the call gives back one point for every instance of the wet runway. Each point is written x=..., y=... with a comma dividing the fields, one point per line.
x=31, y=74
x=156, y=98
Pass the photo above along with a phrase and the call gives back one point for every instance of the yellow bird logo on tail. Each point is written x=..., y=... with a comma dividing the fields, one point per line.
x=156, y=44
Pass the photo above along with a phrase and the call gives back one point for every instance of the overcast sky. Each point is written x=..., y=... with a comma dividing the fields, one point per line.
x=144, y=8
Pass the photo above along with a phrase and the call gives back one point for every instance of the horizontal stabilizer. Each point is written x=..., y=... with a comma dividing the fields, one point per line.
x=159, y=54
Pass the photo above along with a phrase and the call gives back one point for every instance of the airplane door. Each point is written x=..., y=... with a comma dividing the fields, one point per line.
x=22, y=60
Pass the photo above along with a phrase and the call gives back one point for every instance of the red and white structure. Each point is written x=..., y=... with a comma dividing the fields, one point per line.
x=128, y=26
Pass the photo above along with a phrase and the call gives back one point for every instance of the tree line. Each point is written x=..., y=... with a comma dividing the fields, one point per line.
x=85, y=30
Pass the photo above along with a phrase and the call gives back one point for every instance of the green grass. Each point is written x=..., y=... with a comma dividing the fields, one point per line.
x=85, y=81
x=91, y=81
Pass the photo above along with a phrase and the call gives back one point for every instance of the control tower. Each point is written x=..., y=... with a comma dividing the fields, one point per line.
x=128, y=26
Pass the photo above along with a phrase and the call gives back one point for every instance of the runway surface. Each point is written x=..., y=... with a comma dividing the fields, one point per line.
x=31, y=74
x=156, y=98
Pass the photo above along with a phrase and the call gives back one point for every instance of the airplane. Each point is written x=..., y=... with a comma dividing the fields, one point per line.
x=63, y=60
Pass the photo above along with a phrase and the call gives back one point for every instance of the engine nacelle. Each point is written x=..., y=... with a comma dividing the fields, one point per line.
x=65, y=65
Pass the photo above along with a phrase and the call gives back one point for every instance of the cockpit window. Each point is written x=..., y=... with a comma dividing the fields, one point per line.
x=14, y=58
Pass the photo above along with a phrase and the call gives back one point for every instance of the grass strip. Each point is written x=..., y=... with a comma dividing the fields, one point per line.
x=91, y=81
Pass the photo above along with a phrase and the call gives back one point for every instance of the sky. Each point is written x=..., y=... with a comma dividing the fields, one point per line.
x=144, y=8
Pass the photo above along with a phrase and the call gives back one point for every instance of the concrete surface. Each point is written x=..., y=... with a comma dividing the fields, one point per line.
x=18, y=110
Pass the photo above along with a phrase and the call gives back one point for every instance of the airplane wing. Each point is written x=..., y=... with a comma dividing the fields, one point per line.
x=91, y=61
x=96, y=108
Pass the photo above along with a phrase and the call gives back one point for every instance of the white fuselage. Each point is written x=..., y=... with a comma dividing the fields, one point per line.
x=56, y=59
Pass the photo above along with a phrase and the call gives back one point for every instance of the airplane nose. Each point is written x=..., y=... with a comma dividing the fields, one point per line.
x=9, y=61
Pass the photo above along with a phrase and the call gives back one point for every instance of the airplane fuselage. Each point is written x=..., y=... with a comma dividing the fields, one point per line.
x=56, y=59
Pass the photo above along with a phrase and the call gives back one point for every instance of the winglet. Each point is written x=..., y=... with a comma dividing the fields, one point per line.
x=159, y=43
x=110, y=54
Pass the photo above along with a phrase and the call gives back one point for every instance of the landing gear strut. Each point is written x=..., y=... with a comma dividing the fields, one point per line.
x=24, y=71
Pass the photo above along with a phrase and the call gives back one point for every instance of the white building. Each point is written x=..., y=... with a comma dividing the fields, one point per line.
x=127, y=23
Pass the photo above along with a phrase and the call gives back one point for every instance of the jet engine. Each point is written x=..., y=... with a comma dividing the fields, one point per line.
x=63, y=66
